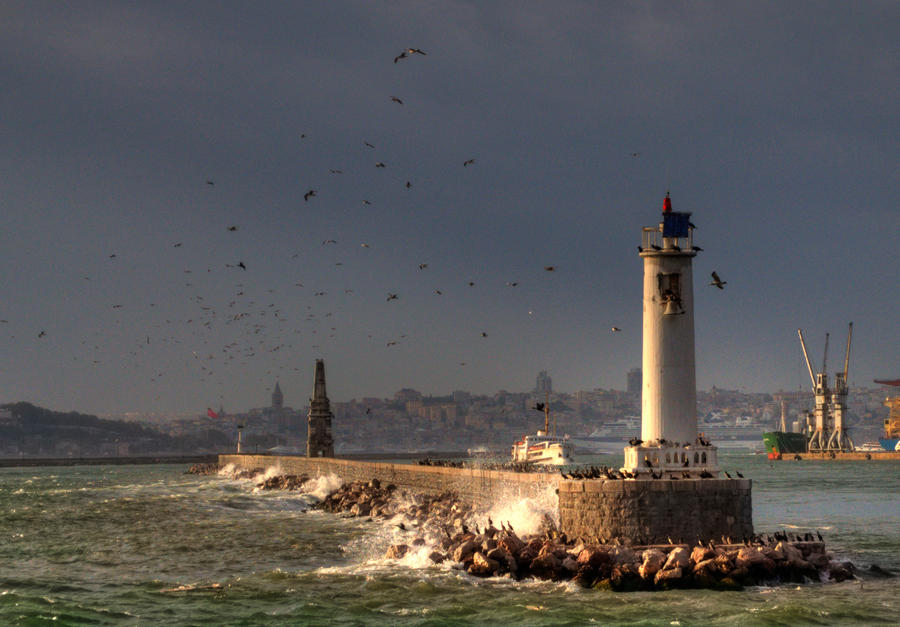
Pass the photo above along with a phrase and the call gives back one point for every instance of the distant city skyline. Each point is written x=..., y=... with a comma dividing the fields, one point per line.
x=201, y=200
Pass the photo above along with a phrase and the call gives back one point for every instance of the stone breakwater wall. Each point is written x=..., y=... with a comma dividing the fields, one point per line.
x=655, y=511
x=473, y=485
x=644, y=512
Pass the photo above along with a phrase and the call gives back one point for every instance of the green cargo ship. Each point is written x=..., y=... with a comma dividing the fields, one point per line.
x=783, y=443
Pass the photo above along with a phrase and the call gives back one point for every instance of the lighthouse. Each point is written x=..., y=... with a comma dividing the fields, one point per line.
x=670, y=444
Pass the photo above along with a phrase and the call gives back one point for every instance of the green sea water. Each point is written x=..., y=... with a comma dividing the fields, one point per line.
x=146, y=545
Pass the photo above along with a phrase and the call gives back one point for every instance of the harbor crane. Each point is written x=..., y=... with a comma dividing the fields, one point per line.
x=829, y=433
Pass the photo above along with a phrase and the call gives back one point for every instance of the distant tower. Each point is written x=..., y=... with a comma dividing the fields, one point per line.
x=319, y=442
x=544, y=383
x=669, y=389
x=633, y=381
x=277, y=397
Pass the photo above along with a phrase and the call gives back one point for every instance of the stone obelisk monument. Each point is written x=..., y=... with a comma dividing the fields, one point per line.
x=319, y=441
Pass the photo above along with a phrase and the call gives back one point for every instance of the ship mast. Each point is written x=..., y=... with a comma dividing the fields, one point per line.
x=547, y=414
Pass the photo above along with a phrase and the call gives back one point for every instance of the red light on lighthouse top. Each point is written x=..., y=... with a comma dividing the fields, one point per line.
x=667, y=204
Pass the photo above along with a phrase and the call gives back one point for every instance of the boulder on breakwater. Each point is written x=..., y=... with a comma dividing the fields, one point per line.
x=283, y=482
x=455, y=532
x=204, y=469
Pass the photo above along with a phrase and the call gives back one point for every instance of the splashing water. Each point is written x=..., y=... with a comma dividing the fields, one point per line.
x=526, y=515
x=322, y=486
x=271, y=471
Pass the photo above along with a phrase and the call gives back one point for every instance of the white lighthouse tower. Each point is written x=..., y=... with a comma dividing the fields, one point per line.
x=670, y=445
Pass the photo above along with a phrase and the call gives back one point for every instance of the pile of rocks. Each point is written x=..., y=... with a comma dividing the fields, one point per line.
x=442, y=522
x=427, y=513
x=203, y=469
x=498, y=552
x=283, y=482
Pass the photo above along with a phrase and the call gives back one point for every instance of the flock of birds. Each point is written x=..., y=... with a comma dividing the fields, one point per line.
x=253, y=323
x=605, y=472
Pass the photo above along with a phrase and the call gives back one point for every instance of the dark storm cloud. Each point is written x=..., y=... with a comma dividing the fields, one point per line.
x=773, y=122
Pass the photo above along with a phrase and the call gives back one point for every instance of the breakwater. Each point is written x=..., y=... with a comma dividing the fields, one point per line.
x=19, y=462
x=649, y=511
x=441, y=528
x=472, y=485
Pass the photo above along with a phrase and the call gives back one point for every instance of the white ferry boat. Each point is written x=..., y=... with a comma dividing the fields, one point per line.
x=544, y=448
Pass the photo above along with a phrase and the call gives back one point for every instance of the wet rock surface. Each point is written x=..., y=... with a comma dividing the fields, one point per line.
x=283, y=482
x=454, y=531
x=203, y=469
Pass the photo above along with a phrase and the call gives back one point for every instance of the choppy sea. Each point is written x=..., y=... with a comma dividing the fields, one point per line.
x=98, y=545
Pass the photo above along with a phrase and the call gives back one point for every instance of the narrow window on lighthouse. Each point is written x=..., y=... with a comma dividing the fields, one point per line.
x=669, y=286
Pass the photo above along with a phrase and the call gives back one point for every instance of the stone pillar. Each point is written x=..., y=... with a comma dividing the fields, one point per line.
x=319, y=441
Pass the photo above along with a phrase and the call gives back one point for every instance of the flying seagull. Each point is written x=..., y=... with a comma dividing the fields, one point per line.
x=468, y=162
x=550, y=268
x=397, y=100
x=309, y=195
x=241, y=265
x=380, y=165
x=422, y=266
x=232, y=228
x=368, y=144
x=717, y=281
x=392, y=297
x=614, y=329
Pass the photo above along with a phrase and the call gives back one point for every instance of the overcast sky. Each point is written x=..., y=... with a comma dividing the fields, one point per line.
x=775, y=123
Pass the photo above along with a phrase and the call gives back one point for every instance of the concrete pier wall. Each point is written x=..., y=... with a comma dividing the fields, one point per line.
x=655, y=511
x=477, y=486
x=648, y=511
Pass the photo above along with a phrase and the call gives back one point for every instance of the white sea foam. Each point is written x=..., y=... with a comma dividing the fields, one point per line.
x=322, y=486
x=227, y=470
x=268, y=473
x=526, y=515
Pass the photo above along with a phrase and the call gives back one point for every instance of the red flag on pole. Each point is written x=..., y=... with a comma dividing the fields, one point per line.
x=211, y=413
